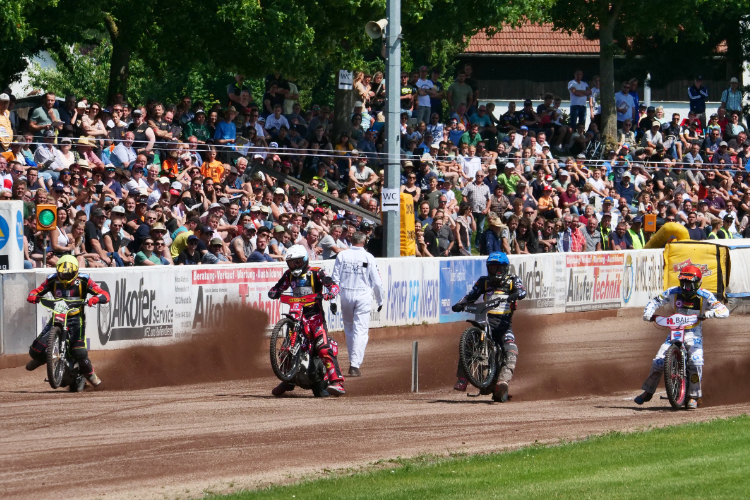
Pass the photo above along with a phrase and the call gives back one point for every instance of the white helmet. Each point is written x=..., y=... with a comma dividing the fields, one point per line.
x=296, y=260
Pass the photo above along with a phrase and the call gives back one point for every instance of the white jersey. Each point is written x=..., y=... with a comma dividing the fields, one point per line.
x=355, y=270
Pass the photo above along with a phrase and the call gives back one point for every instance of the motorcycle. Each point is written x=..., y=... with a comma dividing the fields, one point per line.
x=676, y=378
x=477, y=350
x=62, y=369
x=293, y=358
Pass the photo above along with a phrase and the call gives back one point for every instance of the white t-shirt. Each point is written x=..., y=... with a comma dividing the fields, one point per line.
x=598, y=184
x=424, y=100
x=362, y=176
x=470, y=165
x=576, y=100
x=621, y=99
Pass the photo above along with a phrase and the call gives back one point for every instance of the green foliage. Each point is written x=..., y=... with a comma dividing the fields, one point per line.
x=85, y=72
x=699, y=460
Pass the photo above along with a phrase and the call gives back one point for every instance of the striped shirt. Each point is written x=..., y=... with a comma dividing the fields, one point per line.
x=732, y=99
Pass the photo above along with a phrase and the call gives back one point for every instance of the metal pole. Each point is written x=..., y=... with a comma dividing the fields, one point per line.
x=415, y=366
x=391, y=219
x=44, y=250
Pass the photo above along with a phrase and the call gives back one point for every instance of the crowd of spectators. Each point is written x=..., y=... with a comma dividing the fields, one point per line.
x=170, y=184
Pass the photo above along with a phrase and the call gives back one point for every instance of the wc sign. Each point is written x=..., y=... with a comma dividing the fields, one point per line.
x=390, y=200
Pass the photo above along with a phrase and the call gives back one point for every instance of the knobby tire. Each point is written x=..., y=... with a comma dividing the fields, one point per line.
x=284, y=365
x=675, y=377
x=55, y=357
x=478, y=357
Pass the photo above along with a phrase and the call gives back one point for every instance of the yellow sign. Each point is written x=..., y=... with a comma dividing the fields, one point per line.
x=408, y=236
x=709, y=258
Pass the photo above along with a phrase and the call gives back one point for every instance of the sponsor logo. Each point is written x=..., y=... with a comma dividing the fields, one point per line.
x=628, y=279
x=681, y=265
x=133, y=314
x=694, y=378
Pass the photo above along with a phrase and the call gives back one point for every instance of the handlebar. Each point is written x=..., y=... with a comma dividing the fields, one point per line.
x=73, y=304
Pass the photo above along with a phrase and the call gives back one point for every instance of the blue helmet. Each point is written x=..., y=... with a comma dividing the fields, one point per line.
x=497, y=266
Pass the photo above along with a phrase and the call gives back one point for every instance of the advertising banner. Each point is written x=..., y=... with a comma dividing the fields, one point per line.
x=642, y=277
x=594, y=281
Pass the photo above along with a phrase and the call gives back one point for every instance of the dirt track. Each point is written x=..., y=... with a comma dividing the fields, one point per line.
x=574, y=379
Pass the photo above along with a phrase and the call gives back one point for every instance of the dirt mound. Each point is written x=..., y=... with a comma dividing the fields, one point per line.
x=236, y=350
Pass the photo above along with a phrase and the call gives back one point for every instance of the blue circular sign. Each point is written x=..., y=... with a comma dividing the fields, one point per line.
x=19, y=230
x=4, y=232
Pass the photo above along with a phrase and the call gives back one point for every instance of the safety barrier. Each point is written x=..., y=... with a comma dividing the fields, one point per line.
x=164, y=304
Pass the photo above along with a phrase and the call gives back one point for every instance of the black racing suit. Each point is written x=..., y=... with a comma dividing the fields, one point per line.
x=79, y=288
x=499, y=319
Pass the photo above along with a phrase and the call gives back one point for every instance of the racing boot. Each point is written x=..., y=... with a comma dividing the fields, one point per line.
x=282, y=388
x=336, y=389
x=461, y=384
x=500, y=394
x=93, y=380
x=354, y=372
x=643, y=398
x=692, y=404
x=33, y=364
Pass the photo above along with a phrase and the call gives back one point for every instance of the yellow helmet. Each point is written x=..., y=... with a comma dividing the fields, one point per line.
x=67, y=269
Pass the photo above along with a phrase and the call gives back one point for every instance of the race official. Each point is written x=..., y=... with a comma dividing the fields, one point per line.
x=357, y=276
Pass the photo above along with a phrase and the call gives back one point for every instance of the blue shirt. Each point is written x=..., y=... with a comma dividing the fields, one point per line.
x=225, y=131
x=256, y=256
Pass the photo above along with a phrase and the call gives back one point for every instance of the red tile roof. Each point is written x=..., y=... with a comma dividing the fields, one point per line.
x=532, y=39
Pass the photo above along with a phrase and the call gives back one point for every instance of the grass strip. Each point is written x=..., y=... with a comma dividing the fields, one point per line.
x=698, y=460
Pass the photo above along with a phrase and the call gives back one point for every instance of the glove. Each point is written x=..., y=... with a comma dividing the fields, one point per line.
x=457, y=308
x=380, y=307
x=512, y=297
x=707, y=314
x=92, y=301
x=33, y=299
x=273, y=294
x=328, y=296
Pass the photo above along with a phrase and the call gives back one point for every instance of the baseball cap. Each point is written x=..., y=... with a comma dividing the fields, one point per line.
x=732, y=80
x=728, y=217
x=4, y=97
x=118, y=210
x=358, y=104
x=626, y=174
x=524, y=127
x=527, y=102
x=200, y=112
x=164, y=180
x=215, y=205
x=637, y=220
x=626, y=146
x=699, y=77
x=278, y=191
x=224, y=200
x=135, y=112
x=279, y=229
x=274, y=145
x=192, y=238
x=562, y=172
x=216, y=242
x=97, y=212
x=581, y=156
x=651, y=108
x=492, y=167
x=250, y=227
x=48, y=133
x=608, y=199
x=58, y=186
x=723, y=143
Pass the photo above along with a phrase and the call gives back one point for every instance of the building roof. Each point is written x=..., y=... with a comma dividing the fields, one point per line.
x=532, y=39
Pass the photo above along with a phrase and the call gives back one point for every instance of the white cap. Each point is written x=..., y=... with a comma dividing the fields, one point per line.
x=4, y=97
x=176, y=185
x=163, y=180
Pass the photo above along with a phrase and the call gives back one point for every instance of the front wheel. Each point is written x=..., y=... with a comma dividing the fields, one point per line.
x=284, y=360
x=675, y=376
x=477, y=357
x=55, y=357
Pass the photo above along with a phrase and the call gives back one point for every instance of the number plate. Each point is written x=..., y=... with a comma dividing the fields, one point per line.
x=677, y=335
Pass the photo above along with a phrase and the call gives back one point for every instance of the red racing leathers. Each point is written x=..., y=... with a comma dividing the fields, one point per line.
x=314, y=280
x=79, y=288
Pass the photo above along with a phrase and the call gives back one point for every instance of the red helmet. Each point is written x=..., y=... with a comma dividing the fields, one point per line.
x=690, y=279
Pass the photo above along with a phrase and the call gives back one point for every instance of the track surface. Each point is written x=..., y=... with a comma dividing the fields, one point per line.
x=574, y=378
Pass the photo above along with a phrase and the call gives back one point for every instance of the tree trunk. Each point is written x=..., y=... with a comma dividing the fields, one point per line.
x=607, y=50
x=119, y=62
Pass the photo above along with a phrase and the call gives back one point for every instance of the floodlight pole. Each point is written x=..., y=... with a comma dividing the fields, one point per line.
x=392, y=219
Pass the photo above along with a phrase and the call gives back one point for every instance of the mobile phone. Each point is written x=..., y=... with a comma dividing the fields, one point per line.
x=98, y=188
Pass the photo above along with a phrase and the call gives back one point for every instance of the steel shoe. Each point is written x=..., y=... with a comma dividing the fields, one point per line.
x=692, y=404
x=354, y=372
x=461, y=385
x=282, y=388
x=500, y=395
x=643, y=398
x=94, y=380
x=33, y=364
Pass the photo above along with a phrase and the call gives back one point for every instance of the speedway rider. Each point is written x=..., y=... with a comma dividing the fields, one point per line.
x=69, y=284
x=498, y=282
x=688, y=298
x=306, y=280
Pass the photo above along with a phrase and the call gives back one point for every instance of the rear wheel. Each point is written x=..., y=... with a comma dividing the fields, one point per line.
x=675, y=376
x=284, y=362
x=55, y=357
x=477, y=357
